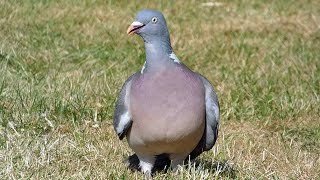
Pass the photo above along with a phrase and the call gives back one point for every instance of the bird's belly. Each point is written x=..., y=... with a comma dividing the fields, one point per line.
x=167, y=116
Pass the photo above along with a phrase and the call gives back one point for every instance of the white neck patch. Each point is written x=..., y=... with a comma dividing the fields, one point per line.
x=174, y=58
x=143, y=67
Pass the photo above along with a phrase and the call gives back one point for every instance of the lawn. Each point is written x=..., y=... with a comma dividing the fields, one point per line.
x=62, y=64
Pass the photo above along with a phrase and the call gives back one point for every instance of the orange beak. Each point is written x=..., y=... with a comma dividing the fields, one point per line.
x=134, y=27
x=130, y=30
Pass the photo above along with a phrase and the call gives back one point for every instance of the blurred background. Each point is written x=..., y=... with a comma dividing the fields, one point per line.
x=62, y=64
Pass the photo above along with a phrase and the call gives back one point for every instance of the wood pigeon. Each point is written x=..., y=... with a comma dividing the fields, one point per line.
x=165, y=109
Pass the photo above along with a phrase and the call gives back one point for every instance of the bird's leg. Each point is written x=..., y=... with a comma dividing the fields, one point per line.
x=177, y=166
x=177, y=162
x=146, y=164
x=189, y=161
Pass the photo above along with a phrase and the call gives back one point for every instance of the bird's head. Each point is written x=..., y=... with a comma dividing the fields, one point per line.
x=150, y=25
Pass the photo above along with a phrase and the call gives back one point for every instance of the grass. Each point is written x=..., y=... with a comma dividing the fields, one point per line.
x=62, y=64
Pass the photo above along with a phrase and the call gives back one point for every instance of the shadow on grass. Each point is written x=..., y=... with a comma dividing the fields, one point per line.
x=162, y=165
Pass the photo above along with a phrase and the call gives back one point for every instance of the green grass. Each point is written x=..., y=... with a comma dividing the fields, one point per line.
x=62, y=64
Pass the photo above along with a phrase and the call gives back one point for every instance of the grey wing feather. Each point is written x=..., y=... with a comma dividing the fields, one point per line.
x=212, y=120
x=122, y=120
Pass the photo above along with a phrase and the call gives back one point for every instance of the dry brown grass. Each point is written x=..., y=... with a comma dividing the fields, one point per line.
x=63, y=62
x=243, y=150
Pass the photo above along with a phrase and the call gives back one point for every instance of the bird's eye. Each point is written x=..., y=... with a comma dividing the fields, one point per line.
x=154, y=19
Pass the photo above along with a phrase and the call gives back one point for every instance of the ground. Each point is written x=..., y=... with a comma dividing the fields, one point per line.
x=62, y=64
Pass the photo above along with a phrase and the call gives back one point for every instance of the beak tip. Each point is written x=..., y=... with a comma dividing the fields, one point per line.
x=130, y=30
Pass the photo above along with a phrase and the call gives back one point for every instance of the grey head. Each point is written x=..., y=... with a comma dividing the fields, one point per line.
x=152, y=27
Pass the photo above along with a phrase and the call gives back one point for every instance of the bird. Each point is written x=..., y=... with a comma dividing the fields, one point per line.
x=165, y=108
